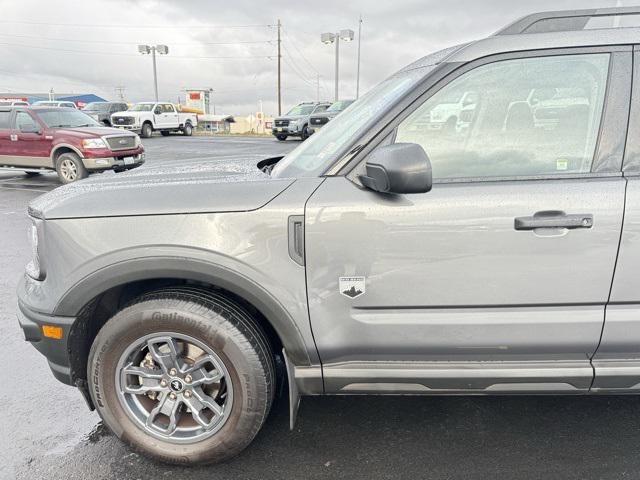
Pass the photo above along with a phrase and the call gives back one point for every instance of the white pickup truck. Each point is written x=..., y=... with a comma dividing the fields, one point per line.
x=146, y=117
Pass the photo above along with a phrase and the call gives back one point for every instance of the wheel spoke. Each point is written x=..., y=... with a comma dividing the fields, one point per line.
x=168, y=407
x=150, y=380
x=200, y=374
x=207, y=401
x=167, y=359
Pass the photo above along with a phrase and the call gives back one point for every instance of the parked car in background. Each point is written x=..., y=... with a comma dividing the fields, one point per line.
x=148, y=117
x=102, y=111
x=296, y=122
x=13, y=103
x=53, y=103
x=317, y=120
x=65, y=140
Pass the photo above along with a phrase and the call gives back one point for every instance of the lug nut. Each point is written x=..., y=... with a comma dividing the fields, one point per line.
x=163, y=383
x=188, y=379
x=172, y=396
x=173, y=372
x=187, y=393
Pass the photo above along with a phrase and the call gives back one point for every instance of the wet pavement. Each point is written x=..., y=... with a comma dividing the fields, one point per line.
x=46, y=430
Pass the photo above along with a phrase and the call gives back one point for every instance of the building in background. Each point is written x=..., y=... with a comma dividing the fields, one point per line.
x=79, y=99
x=200, y=99
x=215, y=123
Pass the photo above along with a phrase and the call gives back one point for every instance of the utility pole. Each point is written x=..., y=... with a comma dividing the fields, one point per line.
x=318, y=87
x=279, y=71
x=337, y=64
x=120, y=91
x=358, y=70
x=162, y=50
x=155, y=72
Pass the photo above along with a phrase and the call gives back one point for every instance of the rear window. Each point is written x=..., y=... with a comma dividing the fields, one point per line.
x=4, y=119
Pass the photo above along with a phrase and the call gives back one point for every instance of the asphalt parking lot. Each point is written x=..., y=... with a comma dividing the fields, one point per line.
x=47, y=431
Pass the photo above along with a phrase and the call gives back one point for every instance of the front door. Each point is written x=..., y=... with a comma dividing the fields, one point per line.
x=496, y=280
x=31, y=147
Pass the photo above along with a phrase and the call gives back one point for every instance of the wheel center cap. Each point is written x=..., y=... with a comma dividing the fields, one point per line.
x=176, y=385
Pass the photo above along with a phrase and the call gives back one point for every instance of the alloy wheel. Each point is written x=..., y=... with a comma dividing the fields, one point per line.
x=174, y=387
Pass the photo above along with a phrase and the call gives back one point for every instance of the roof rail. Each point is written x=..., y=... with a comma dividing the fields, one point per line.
x=562, y=21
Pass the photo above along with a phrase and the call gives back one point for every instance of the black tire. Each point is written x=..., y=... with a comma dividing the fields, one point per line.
x=147, y=131
x=70, y=168
x=106, y=123
x=187, y=131
x=282, y=138
x=305, y=133
x=216, y=321
x=164, y=133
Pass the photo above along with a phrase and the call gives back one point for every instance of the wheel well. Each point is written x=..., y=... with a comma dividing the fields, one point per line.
x=59, y=151
x=100, y=309
x=147, y=122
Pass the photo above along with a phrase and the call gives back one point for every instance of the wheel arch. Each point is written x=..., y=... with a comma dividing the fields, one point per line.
x=98, y=296
x=61, y=148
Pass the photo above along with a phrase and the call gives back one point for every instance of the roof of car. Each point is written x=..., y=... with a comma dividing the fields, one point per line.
x=559, y=29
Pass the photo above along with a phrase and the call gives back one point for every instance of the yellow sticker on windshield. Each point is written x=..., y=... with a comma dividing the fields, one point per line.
x=562, y=164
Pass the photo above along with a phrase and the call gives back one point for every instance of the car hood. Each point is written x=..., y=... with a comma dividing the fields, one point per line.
x=162, y=191
x=292, y=117
x=90, y=132
x=325, y=114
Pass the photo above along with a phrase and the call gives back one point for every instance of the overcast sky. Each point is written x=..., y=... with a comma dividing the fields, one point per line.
x=89, y=46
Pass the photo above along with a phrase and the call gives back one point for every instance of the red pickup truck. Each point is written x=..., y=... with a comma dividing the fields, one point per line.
x=65, y=140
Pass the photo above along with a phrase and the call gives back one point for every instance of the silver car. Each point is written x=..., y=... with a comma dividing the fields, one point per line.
x=379, y=257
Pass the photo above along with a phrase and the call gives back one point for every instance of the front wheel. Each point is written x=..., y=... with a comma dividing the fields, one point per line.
x=183, y=375
x=147, y=130
x=305, y=133
x=70, y=168
x=187, y=130
x=282, y=138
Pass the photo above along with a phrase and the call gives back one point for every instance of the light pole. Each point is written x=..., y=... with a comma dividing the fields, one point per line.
x=327, y=38
x=162, y=50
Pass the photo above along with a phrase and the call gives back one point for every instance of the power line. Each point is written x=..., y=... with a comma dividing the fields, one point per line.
x=96, y=25
x=110, y=42
x=301, y=54
x=115, y=54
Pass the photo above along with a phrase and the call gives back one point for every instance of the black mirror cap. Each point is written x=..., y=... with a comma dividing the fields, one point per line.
x=398, y=168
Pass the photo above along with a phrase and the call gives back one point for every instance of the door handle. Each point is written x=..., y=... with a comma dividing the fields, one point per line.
x=554, y=219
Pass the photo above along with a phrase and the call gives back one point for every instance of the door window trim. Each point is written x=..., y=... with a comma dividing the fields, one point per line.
x=610, y=145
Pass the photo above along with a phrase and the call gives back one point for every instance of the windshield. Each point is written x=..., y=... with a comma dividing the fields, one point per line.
x=46, y=104
x=315, y=155
x=97, y=107
x=339, y=106
x=67, y=119
x=301, y=110
x=142, y=107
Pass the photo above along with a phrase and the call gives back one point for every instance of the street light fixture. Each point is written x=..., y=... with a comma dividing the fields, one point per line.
x=346, y=35
x=161, y=50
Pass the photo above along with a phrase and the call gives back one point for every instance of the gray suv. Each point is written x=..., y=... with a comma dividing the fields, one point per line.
x=296, y=122
x=382, y=256
x=102, y=111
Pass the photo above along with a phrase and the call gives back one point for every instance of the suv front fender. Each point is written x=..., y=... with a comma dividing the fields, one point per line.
x=160, y=267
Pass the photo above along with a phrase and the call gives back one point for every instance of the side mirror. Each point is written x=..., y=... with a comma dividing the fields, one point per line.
x=157, y=111
x=398, y=168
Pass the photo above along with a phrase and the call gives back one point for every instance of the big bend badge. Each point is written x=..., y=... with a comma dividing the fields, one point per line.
x=351, y=287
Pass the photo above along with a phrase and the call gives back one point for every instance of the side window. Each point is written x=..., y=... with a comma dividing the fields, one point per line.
x=168, y=108
x=4, y=120
x=320, y=108
x=521, y=117
x=25, y=121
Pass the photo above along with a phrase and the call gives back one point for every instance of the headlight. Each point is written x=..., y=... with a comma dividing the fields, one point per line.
x=94, y=143
x=138, y=141
x=34, y=269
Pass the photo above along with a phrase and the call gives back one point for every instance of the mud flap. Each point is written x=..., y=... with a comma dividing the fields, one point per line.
x=294, y=395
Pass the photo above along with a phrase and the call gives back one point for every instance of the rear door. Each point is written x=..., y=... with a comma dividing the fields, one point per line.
x=464, y=288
